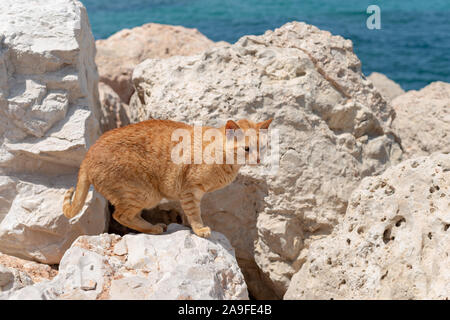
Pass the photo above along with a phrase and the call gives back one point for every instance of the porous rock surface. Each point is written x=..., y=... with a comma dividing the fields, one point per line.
x=48, y=118
x=423, y=120
x=174, y=265
x=388, y=88
x=333, y=131
x=118, y=55
x=393, y=243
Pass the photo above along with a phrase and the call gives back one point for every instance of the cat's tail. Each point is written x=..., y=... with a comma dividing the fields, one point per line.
x=71, y=208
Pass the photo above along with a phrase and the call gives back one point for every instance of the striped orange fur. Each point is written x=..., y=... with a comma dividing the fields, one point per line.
x=133, y=169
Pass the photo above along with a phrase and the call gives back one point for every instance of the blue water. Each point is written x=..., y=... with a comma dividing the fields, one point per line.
x=412, y=47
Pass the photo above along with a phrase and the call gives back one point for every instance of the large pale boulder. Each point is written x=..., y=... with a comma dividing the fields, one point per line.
x=120, y=53
x=387, y=87
x=174, y=265
x=333, y=131
x=393, y=243
x=423, y=119
x=48, y=118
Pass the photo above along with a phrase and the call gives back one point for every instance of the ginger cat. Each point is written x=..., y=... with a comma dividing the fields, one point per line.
x=133, y=169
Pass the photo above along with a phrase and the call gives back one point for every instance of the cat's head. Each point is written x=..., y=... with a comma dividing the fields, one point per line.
x=250, y=140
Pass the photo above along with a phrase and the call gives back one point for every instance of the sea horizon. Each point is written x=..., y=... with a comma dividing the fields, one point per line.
x=412, y=47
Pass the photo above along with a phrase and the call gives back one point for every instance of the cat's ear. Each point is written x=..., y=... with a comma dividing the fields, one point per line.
x=264, y=124
x=230, y=127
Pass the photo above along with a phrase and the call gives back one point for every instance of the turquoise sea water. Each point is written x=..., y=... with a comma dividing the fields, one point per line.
x=412, y=47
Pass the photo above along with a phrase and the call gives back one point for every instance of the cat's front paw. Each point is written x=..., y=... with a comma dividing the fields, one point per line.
x=204, y=232
x=163, y=226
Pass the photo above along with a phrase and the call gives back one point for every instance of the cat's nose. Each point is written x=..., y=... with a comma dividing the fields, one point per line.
x=258, y=160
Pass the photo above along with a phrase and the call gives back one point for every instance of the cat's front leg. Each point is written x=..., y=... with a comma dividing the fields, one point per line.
x=190, y=202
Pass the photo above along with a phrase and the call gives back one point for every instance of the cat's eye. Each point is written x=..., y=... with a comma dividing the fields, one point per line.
x=247, y=149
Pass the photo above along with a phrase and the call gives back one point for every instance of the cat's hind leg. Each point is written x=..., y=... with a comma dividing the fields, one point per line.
x=129, y=201
x=129, y=207
x=130, y=217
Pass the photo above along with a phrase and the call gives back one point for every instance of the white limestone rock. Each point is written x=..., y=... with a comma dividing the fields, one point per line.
x=387, y=87
x=334, y=130
x=16, y=274
x=36, y=271
x=423, y=120
x=393, y=243
x=174, y=265
x=49, y=113
x=12, y=280
x=118, y=55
